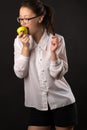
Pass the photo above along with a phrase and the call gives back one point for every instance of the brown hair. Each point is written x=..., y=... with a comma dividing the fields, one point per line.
x=39, y=8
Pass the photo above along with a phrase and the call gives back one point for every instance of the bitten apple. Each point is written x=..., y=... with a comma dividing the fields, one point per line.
x=22, y=29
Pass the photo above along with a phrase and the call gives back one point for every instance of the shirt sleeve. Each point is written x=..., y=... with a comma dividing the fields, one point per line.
x=59, y=67
x=20, y=61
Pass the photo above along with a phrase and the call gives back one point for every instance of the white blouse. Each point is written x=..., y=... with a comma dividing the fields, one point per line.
x=44, y=81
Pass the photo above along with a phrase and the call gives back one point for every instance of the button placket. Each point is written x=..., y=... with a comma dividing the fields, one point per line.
x=44, y=99
x=43, y=81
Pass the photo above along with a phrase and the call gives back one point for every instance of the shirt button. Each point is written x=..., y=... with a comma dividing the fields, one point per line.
x=42, y=70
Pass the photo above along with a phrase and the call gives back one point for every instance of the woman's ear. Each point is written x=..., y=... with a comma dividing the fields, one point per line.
x=41, y=19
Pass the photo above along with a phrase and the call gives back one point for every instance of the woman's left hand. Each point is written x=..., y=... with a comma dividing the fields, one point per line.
x=54, y=43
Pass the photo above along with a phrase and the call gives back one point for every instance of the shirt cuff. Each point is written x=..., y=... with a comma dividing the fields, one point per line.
x=24, y=58
x=56, y=63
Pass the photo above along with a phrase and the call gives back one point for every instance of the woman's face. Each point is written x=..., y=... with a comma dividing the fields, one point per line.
x=33, y=24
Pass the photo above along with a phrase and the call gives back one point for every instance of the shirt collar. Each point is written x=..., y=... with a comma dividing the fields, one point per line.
x=44, y=40
x=43, y=43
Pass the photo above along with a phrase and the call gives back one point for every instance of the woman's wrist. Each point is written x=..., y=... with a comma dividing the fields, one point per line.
x=25, y=51
x=53, y=56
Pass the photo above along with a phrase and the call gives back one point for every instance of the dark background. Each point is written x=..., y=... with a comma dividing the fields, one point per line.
x=71, y=22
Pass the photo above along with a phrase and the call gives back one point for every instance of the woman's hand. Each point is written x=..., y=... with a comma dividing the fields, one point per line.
x=24, y=38
x=54, y=43
x=53, y=47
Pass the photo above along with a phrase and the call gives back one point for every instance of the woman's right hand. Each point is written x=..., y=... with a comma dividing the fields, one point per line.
x=24, y=38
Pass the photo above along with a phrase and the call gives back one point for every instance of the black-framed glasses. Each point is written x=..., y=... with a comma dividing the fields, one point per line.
x=20, y=20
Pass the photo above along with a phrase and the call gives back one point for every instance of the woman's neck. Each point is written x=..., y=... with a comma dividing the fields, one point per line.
x=38, y=35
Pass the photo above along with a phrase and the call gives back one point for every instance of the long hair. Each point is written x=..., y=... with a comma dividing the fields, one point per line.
x=40, y=8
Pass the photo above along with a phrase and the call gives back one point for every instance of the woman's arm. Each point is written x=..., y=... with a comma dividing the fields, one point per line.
x=21, y=59
x=58, y=65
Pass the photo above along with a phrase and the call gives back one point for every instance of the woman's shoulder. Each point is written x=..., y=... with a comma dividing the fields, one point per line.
x=17, y=42
x=60, y=37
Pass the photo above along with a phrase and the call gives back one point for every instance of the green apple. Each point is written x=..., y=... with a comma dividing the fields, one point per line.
x=22, y=29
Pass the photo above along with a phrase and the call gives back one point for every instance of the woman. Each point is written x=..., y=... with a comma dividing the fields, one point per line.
x=40, y=58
